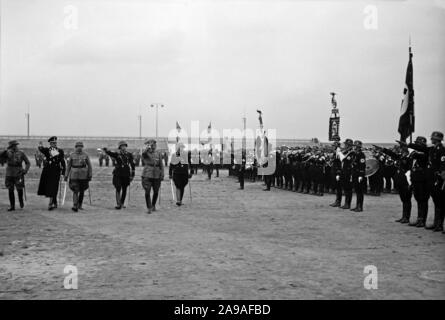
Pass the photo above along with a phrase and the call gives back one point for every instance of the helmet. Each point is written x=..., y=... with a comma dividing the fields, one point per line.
x=437, y=135
x=420, y=140
x=122, y=143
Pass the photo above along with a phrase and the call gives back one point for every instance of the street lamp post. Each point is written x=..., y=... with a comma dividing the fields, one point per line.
x=157, y=105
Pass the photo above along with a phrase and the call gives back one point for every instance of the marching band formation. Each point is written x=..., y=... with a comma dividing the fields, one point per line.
x=407, y=169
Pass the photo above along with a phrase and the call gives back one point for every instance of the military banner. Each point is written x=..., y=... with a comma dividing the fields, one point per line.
x=334, y=128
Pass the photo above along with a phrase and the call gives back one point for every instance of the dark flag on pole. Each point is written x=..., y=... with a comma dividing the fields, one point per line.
x=260, y=118
x=406, y=121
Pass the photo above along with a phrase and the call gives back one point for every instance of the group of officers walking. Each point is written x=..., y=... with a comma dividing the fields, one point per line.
x=77, y=171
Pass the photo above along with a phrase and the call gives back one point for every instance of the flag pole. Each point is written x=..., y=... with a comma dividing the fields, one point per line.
x=411, y=115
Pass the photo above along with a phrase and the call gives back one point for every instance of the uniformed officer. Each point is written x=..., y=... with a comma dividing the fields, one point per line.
x=15, y=174
x=180, y=171
x=79, y=172
x=437, y=162
x=123, y=172
x=403, y=164
x=242, y=170
x=346, y=173
x=420, y=179
x=336, y=173
x=435, y=173
x=358, y=174
x=152, y=174
x=39, y=158
x=54, y=167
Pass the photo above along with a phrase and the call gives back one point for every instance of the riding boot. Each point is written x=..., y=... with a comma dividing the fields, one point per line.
x=50, y=204
x=357, y=205
x=118, y=200
x=75, y=201
x=80, y=200
x=405, y=213
x=362, y=198
x=11, y=199
x=148, y=202
x=423, y=214
x=439, y=226
x=20, y=194
x=178, y=197
x=347, y=205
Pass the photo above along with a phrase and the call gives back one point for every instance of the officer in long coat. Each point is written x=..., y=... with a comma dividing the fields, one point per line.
x=179, y=171
x=15, y=174
x=79, y=172
x=54, y=167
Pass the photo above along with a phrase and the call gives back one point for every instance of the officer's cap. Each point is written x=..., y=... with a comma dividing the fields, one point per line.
x=122, y=143
x=420, y=140
x=336, y=138
x=52, y=139
x=358, y=143
x=348, y=142
x=150, y=141
x=12, y=143
x=437, y=135
x=78, y=144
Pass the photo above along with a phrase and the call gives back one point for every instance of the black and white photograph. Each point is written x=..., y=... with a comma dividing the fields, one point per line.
x=192, y=150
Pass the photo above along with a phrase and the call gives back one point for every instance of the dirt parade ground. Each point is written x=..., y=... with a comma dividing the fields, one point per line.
x=225, y=244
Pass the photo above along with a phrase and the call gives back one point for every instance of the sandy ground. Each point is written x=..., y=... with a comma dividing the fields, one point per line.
x=226, y=244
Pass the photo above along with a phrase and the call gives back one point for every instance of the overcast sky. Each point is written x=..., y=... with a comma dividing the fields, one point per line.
x=211, y=61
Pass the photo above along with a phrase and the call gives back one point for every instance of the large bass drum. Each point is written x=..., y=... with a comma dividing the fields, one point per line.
x=372, y=164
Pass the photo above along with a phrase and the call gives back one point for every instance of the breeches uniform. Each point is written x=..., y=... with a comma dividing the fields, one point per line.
x=148, y=184
x=17, y=182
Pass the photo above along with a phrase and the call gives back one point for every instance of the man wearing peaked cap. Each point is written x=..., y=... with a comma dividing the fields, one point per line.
x=358, y=174
x=152, y=174
x=123, y=172
x=79, y=173
x=420, y=179
x=435, y=177
x=14, y=172
x=345, y=178
x=54, y=167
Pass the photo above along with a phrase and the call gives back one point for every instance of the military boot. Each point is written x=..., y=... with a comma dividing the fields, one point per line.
x=11, y=200
x=347, y=204
x=118, y=201
x=20, y=193
x=80, y=201
x=335, y=204
x=75, y=201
